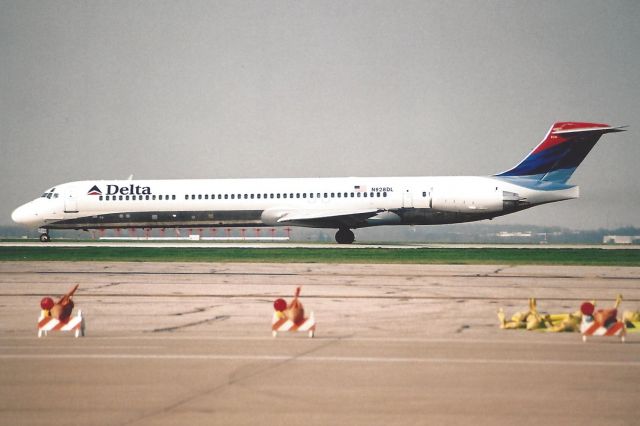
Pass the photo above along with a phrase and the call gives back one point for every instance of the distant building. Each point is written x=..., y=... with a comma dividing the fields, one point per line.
x=505, y=234
x=621, y=239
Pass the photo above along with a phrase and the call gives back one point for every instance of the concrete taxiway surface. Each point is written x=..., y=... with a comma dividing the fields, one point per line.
x=396, y=344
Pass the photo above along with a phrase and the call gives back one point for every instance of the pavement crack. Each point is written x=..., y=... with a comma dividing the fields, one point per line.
x=194, y=311
x=106, y=285
x=232, y=381
x=191, y=324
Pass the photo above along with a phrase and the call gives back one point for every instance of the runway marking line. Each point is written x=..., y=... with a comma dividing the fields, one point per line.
x=330, y=359
x=528, y=341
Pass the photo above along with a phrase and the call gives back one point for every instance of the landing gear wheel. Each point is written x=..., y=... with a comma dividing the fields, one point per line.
x=44, y=238
x=345, y=236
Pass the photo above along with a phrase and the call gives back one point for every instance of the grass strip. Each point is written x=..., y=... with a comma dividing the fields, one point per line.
x=515, y=256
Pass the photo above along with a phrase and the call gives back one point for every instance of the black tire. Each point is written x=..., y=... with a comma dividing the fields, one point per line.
x=345, y=236
x=44, y=238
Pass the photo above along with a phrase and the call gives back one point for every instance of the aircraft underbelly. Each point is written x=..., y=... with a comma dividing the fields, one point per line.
x=162, y=219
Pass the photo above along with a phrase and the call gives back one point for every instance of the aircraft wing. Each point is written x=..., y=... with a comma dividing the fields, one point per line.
x=327, y=218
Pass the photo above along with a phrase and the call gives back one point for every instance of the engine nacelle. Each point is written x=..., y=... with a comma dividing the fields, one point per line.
x=463, y=200
x=271, y=217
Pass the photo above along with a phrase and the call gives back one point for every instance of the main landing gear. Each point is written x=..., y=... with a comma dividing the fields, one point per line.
x=44, y=236
x=345, y=236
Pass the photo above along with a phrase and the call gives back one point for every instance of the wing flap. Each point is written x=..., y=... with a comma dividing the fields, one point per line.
x=301, y=215
x=319, y=218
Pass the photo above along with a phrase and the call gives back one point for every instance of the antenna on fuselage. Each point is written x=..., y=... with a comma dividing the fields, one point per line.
x=130, y=177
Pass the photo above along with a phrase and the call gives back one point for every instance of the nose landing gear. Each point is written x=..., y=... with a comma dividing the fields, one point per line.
x=345, y=236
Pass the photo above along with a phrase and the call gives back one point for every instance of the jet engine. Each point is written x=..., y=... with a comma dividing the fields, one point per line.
x=474, y=201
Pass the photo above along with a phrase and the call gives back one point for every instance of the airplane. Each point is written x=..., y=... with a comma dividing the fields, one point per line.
x=339, y=203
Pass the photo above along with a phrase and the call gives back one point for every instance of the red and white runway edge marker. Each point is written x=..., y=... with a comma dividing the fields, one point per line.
x=591, y=327
x=48, y=323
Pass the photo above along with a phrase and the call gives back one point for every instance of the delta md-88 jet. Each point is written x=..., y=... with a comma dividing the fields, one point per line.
x=339, y=203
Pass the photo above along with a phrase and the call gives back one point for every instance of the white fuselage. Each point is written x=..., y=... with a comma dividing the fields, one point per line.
x=352, y=202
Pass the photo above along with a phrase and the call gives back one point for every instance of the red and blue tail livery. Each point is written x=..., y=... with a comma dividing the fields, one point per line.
x=560, y=152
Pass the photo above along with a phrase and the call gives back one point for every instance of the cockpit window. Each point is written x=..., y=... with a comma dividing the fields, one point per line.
x=50, y=194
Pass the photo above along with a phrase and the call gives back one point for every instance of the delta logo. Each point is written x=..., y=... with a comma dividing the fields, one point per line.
x=121, y=190
x=94, y=190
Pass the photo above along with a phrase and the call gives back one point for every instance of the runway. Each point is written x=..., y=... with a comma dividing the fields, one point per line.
x=140, y=243
x=396, y=344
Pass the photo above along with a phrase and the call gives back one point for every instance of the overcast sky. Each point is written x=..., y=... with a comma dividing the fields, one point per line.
x=231, y=89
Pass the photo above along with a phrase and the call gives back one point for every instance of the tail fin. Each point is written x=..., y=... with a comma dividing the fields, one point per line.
x=560, y=152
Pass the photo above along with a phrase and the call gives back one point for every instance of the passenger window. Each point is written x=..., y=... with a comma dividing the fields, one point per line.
x=173, y=197
x=304, y=195
x=153, y=197
x=100, y=198
x=233, y=196
x=359, y=194
x=333, y=194
x=384, y=194
x=284, y=195
x=378, y=194
x=364, y=194
x=277, y=195
x=55, y=195
x=298, y=195
x=245, y=196
x=339, y=195
x=199, y=196
x=206, y=196
x=252, y=196
x=346, y=194
x=226, y=196
x=127, y=197
x=353, y=195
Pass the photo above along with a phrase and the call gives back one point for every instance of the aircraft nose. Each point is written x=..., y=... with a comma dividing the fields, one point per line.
x=24, y=215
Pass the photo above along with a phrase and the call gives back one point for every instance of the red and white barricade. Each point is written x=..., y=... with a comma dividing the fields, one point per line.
x=281, y=323
x=601, y=323
x=48, y=323
x=590, y=327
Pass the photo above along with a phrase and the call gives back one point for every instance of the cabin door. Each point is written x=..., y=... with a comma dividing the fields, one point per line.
x=407, y=198
x=70, y=203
